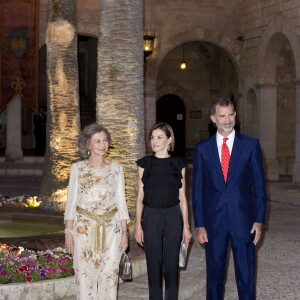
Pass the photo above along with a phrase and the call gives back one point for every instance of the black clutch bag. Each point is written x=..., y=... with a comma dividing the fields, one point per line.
x=125, y=268
x=182, y=254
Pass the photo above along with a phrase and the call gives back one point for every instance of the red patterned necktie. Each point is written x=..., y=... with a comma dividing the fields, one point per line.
x=225, y=158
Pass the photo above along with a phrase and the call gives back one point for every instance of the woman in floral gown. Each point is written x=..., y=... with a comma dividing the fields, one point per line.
x=96, y=217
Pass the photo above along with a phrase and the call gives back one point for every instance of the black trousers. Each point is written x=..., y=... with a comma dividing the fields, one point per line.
x=162, y=236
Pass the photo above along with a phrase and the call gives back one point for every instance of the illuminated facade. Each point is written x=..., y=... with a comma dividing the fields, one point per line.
x=247, y=50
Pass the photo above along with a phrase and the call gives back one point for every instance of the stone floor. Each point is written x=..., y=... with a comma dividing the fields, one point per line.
x=278, y=275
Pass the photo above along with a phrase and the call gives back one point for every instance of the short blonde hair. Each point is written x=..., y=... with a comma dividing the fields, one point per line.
x=85, y=136
x=167, y=129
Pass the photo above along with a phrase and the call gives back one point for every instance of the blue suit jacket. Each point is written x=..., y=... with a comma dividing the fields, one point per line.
x=236, y=204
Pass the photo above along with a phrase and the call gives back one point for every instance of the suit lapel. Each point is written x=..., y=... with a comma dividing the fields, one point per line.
x=215, y=158
x=236, y=153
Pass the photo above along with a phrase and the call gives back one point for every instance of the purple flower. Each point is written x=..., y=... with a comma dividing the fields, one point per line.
x=35, y=265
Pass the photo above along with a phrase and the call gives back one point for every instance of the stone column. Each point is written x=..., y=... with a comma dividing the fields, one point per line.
x=14, y=150
x=296, y=166
x=267, y=104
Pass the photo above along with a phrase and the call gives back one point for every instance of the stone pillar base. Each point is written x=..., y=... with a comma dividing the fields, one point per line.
x=296, y=172
x=272, y=170
x=14, y=150
x=13, y=154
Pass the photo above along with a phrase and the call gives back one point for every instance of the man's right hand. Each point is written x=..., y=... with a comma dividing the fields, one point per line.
x=201, y=235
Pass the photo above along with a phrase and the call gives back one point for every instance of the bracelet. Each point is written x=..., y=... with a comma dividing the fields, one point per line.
x=69, y=230
x=125, y=232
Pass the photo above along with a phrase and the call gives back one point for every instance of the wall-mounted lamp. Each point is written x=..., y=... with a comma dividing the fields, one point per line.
x=148, y=44
x=183, y=63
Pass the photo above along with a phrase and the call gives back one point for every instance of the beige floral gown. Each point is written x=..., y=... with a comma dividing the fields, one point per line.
x=96, y=261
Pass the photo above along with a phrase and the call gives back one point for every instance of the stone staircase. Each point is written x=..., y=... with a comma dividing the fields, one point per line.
x=26, y=166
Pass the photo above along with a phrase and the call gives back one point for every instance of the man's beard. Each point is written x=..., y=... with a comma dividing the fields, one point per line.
x=228, y=129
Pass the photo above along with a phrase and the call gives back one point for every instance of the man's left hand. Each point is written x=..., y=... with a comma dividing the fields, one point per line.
x=257, y=228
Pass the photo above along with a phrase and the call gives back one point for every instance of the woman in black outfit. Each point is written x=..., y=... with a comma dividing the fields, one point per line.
x=162, y=201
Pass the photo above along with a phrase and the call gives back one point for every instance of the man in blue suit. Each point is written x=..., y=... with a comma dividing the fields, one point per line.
x=231, y=206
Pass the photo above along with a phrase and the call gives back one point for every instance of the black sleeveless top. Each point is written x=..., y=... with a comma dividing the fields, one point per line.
x=162, y=180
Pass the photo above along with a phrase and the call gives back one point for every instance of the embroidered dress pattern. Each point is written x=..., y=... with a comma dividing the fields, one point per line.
x=98, y=209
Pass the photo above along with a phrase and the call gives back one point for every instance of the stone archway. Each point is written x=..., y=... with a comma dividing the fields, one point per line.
x=226, y=44
x=279, y=30
x=278, y=70
x=210, y=74
x=170, y=108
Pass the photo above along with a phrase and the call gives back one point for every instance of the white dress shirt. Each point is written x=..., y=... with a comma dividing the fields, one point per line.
x=229, y=142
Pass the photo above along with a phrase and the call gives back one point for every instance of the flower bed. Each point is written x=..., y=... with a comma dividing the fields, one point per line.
x=20, y=265
x=20, y=201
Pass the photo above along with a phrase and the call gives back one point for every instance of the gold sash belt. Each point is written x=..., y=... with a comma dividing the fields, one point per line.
x=99, y=229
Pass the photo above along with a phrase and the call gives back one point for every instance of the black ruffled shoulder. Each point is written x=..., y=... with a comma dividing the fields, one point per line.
x=142, y=161
x=179, y=162
x=162, y=180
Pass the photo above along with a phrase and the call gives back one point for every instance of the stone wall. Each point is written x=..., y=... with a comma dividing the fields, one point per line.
x=209, y=31
x=260, y=38
x=210, y=74
x=261, y=20
x=270, y=57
